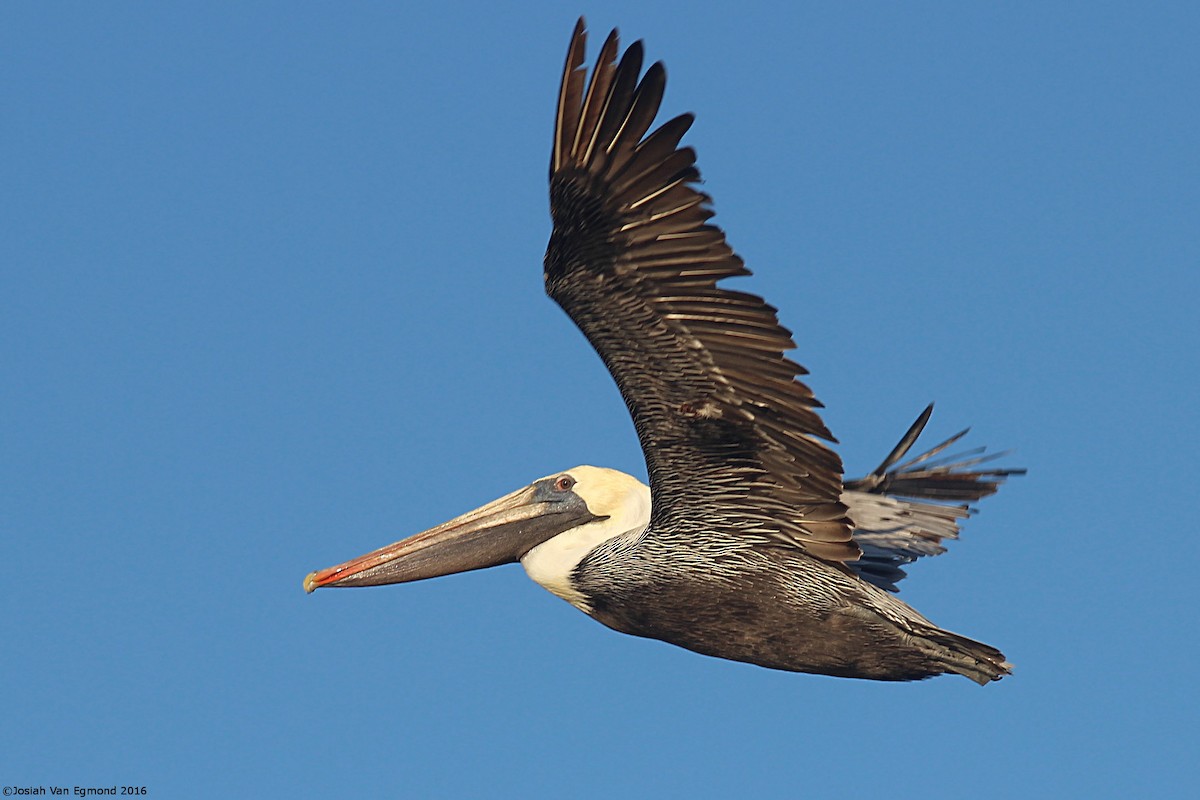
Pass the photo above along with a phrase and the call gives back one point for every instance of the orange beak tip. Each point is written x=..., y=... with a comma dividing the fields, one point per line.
x=310, y=582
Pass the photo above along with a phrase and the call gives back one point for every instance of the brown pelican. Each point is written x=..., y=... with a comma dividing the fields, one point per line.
x=747, y=545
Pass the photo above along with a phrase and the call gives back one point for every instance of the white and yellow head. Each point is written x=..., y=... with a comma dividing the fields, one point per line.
x=621, y=505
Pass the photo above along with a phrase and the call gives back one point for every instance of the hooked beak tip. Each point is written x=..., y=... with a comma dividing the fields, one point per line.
x=323, y=577
x=310, y=582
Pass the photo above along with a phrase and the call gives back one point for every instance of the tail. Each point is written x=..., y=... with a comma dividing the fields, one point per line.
x=980, y=662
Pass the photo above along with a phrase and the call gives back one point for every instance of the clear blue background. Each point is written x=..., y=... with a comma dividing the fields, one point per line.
x=271, y=297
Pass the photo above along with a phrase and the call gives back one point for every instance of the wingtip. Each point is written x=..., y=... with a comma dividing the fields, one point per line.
x=906, y=442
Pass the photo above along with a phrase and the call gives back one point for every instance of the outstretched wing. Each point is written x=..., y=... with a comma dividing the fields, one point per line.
x=903, y=511
x=730, y=436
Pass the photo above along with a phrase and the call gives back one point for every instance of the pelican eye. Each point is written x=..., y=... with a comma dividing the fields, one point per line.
x=563, y=483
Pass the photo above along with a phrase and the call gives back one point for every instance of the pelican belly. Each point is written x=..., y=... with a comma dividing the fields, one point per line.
x=773, y=608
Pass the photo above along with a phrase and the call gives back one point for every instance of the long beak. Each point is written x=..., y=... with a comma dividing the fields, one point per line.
x=498, y=533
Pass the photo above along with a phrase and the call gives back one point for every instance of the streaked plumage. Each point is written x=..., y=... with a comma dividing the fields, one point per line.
x=747, y=545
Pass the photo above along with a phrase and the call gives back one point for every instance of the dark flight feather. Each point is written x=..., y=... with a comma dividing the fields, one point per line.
x=903, y=511
x=731, y=438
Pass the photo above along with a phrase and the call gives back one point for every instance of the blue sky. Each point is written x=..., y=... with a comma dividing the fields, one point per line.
x=272, y=298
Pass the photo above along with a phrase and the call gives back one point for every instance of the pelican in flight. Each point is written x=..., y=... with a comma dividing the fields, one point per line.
x=747, y=544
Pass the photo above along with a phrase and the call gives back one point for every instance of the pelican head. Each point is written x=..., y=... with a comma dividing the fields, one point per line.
x=549, y=526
